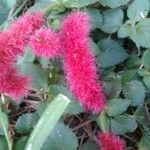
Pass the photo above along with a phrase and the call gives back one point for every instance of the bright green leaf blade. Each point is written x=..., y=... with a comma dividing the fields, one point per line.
x=117, y=106
x=138, y=10
x=74, y=106
x=4, y=125
x=61, y=138
x=78, y=3
x=47, y=122
x=123, y=124
x=112, y=20
x=112, y=53
x=113, y=3
x=135, y=91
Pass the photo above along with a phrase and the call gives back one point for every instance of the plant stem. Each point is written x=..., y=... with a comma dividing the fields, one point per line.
x=53, y=5
x=19, y=9
x=2, y=121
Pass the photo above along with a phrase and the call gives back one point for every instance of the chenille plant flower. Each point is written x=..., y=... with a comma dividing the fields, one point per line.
x=12, y=41
x=109, y=141
x=79, y=62
x=45, y=43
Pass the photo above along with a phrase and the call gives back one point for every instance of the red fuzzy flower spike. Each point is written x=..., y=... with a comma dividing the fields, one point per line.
x=109, y=141
x=13, y=39
x=14, y=84
x=12, y=42
x=79, y=62
x=22, y=28
x=45, y=43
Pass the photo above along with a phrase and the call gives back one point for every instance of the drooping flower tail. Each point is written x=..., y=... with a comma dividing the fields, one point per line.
x=14, y=84
x=79, y=62
x=12, y=42
x=109, y=141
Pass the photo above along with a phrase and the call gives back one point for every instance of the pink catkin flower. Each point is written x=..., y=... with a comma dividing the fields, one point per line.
x=45, y=43
x=14, y=84
x=109, y=141
x=79, y=62
x=21, y=29
x=12, y=42
x=13, y=39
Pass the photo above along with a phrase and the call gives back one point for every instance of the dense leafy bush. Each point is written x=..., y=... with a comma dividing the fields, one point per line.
x=120, y=41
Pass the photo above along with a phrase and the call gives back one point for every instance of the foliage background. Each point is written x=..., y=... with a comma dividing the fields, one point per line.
x=120, y=40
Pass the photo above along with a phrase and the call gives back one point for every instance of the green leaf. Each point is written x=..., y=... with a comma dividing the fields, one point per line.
x=95, y=17
x=112, y=20
x=112, y=53
x=74, y=106
x=116, y=107
x=133, y=61
x=143, y=72
x=61, y=138
x=134, y=91
x=78, y=3
x=114, y=3
x=39, y=77
x=103, y=121
x=144, y=143
x=146, y=59
x=146, y=81
x=47, y=122
x=41, y=5
x=44, y=62
x=141, y=117
x=138, y=10
x=89, y=145
x=26, y=122
x=4, y=10
x=10, y=3
x=28, y=55
x=21, y=143
x=125, y=30
x=113, y=88
x=42, y=107
x=3, y=123
x=123, y=124
x=3, y=143
x=4, y=126
x=128, y=75
x=141, y=35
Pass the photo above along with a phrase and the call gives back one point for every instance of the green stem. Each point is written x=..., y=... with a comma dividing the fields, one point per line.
x=2, y=121
x=53, y=5
x=19, y=9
